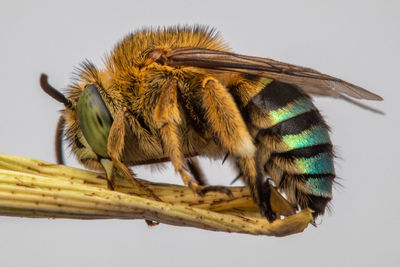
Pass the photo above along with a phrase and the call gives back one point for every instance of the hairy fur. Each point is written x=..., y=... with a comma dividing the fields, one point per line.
x=169, y=112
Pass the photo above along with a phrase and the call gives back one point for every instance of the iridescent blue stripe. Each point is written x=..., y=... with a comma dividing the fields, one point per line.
x=320, y=186
x=322, y=163
x=310, y=137
x=291, y=110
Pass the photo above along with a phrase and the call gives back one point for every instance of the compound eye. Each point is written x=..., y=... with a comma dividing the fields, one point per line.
x=94, y=119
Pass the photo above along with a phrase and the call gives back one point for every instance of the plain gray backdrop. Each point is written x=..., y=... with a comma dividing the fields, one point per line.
x=356, y=41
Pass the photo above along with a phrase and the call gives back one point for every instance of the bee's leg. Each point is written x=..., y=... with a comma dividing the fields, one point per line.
x=110, y=165
x=254, y=178
x=115, y=146
x=197, y=174
x=226, y=121
x=167, y=118
x=109, y=169
x=195, y=171
x=172, y=147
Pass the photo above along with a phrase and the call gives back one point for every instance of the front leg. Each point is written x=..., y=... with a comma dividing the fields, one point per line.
x=115, y=147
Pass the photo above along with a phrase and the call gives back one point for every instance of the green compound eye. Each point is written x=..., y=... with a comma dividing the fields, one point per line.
x=94, y=119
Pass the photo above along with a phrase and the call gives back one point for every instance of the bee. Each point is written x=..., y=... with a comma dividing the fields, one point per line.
x=171, y=94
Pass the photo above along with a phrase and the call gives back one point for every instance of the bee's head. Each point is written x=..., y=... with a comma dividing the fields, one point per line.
x=86, y=120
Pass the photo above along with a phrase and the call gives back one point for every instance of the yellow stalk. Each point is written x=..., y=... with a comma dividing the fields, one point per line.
x=34, y=188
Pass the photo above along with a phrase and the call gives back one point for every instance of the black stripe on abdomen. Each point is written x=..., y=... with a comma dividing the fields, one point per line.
x=299, y=142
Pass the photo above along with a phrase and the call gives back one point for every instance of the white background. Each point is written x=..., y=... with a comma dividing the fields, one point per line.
x=356, y=41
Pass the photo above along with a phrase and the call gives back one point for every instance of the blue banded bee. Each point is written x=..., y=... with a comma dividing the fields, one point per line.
x=172, y=94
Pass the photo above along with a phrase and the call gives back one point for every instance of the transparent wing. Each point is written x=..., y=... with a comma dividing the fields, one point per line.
x=311, y=81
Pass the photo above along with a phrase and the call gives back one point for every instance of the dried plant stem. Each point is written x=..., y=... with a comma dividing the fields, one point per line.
x=34, y=188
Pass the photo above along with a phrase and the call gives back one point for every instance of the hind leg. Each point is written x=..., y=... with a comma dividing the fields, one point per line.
x=227, y=124
x=261, y=192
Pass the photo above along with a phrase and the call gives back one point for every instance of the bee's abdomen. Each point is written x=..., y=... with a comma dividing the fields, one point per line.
x=295, y=143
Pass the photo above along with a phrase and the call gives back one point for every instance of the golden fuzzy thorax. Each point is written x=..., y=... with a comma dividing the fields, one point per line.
x=145, y=90
x=174, y=113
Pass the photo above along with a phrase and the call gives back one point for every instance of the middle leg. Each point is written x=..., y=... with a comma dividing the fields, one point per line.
x=168, y=119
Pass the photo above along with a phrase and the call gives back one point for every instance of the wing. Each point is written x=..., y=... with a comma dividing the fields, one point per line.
x=311, y=81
